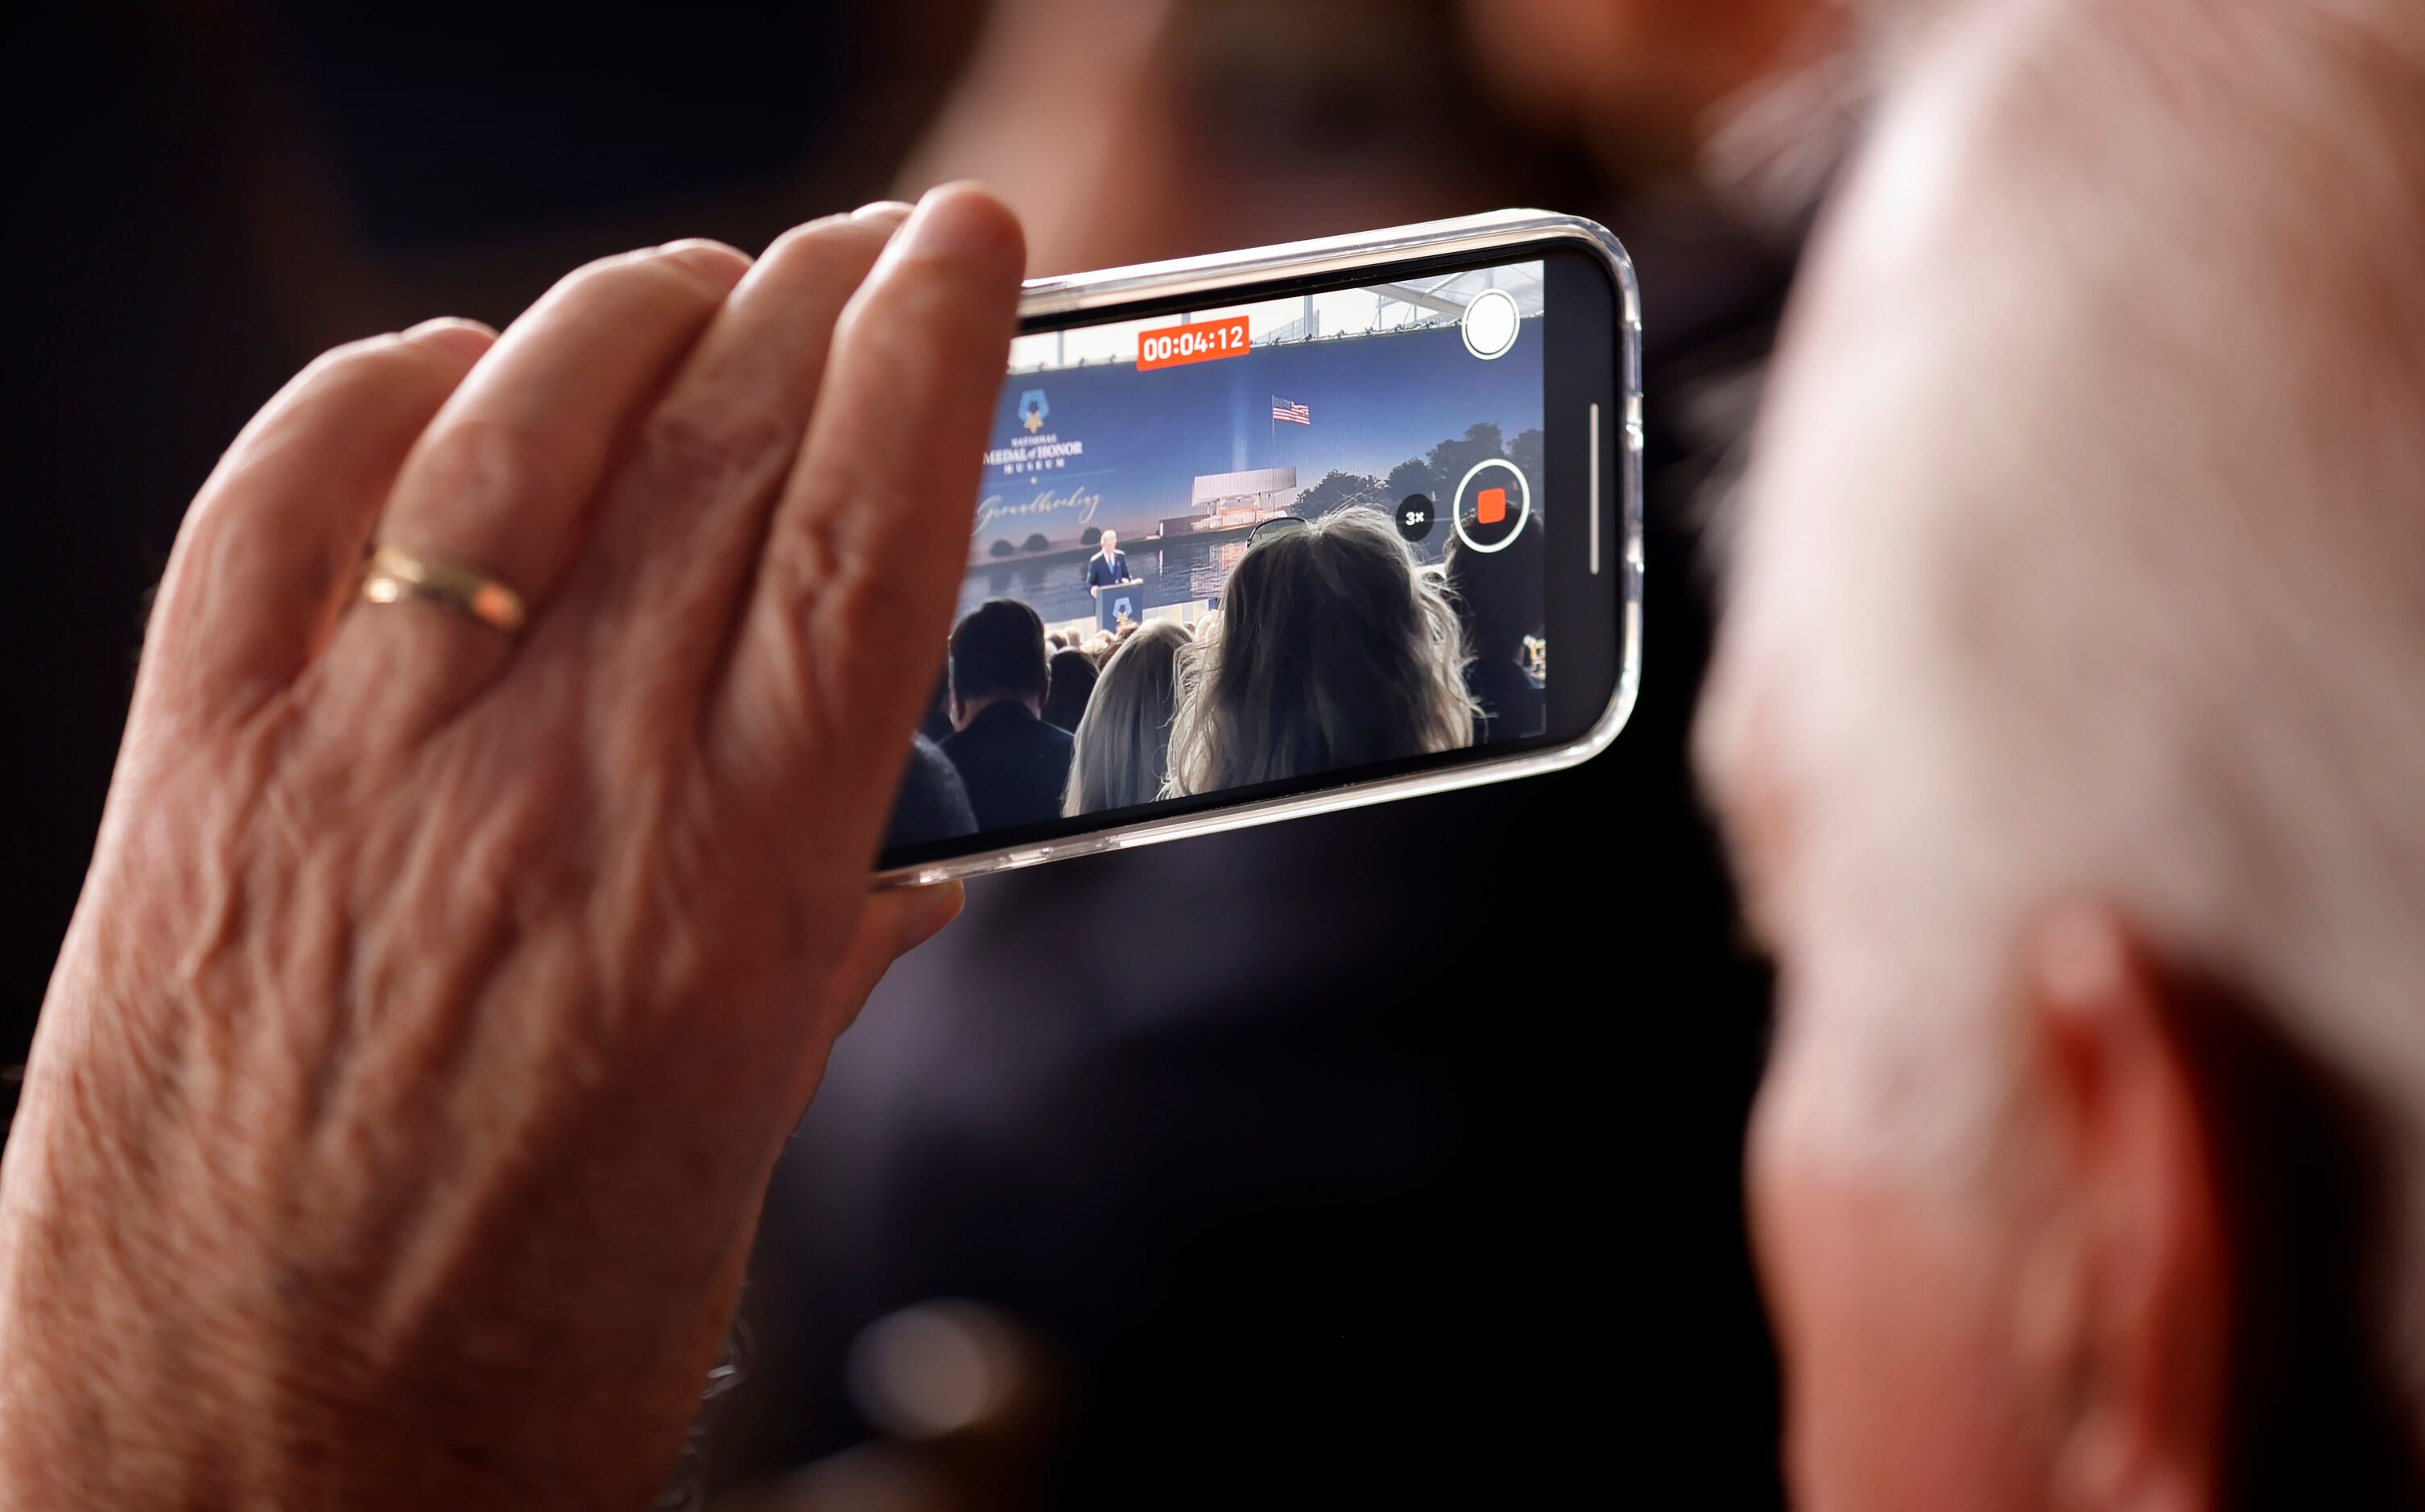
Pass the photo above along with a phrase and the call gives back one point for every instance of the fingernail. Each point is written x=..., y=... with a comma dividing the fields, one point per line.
x=467, y=339
x=958, y=222
x=710, y=259
x=882, y=207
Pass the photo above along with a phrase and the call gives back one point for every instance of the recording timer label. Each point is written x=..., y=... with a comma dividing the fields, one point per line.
x=1204, y=342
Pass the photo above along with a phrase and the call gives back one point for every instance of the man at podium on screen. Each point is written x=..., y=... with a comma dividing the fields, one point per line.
x=1108, y=567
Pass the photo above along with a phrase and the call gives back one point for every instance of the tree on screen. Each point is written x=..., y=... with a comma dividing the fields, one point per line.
x=1037, y=542
x=1091, y=535
x=1434, y=474
x=1451, y=459
x=1336, y=492
x=1526, y=452
x=1001, y=548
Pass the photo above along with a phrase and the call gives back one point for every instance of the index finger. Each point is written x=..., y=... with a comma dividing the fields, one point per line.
x=839, y=645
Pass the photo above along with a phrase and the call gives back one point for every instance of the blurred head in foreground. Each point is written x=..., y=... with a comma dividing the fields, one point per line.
x=1333, y=649
x=2069, y=726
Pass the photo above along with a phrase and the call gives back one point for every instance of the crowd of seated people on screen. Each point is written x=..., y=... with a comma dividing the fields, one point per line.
x=1333, y=647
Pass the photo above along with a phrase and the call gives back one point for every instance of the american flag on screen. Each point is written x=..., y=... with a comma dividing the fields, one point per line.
x=1295, y=414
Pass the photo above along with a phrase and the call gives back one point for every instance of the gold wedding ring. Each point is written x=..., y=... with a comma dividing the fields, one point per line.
x=393, y=574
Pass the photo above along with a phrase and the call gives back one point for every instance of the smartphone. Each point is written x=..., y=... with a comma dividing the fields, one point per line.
x=1290, y=530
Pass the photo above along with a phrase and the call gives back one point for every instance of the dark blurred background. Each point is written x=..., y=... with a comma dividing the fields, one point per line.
x=1412, y=1172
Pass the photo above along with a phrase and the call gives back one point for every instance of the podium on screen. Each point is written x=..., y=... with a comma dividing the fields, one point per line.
x=1120, y=605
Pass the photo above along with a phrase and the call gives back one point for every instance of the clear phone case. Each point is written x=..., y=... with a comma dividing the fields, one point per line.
x=1074, y=294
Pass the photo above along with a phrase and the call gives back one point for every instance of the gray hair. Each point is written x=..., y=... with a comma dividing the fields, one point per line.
x=1123, y=751
x=2085, y=551
x=1335, y=647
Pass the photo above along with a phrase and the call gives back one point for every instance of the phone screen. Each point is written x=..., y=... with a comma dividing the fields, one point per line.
x=1246, y=549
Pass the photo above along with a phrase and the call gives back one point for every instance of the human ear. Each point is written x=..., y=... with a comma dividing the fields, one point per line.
x=2128, y=1293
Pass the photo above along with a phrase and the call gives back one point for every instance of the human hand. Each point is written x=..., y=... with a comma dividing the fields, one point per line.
x=440, y=999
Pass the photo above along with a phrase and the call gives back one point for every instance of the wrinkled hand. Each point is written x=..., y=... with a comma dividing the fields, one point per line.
x=439, y=1000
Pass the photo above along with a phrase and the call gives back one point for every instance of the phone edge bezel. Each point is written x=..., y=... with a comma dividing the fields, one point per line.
x=1075, y=294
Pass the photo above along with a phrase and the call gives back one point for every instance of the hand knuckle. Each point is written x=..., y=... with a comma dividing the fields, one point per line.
x=801, y=241
x=803, y=561
x=681, y=280
x=822, y=241
x=853, y=587
x=696, y=454
x=916, y=327
x=599, y=272
x=582, y=289
x=633, y=279
x=354, y=356
x=879, y=605
x=833, y=605
x=491, y=465
x=376, y=362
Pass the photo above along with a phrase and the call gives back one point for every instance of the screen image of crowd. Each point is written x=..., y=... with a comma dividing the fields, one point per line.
x=1154, y=608
x=1332, y=645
